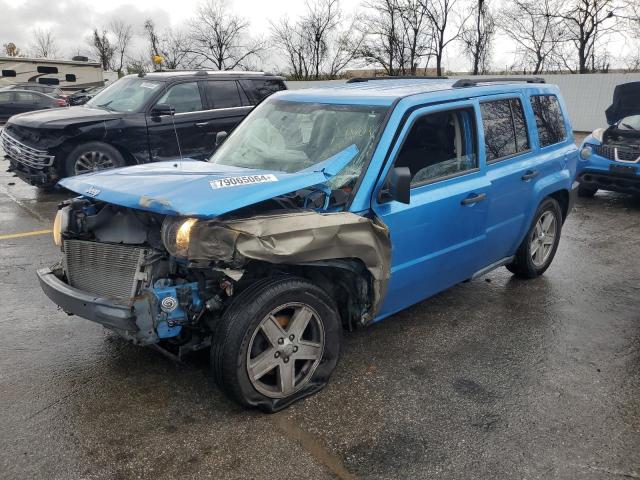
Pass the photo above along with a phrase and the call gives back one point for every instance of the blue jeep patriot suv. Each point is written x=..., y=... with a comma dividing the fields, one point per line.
x=325, y=209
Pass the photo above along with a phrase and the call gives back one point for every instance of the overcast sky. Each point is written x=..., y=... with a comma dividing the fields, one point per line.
x=71, y=21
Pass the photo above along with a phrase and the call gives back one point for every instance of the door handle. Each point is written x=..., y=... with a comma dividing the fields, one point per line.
x=475, y=198
x=529, y=174
x=203, y=124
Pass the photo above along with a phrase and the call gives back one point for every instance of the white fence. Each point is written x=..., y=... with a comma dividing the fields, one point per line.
x=586, y=96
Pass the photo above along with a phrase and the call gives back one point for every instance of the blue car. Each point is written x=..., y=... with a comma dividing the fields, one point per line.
x=611, y=157
x=325, y=209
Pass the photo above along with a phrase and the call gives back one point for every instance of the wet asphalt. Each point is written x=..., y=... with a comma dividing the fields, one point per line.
x=498, y=378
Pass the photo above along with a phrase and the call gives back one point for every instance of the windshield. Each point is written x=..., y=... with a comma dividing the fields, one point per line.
x=291, y=136
x=630, y=123
x=126, y=95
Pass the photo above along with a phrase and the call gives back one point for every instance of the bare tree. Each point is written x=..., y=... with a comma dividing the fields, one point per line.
x=477, y=37
x=315, y=46
x=534, y=27
x=221, y=39
x=44, y=44
x=440, y=13
x=291, y=38
x=101, y=47
x=11, y=50
x=586, y=23
x=122, y=33
x=397, y=35
x=175, y=47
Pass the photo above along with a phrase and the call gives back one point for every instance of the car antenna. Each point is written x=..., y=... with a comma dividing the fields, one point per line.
x=175, y=130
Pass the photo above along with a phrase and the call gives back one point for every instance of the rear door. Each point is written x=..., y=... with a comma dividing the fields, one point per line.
x=180, y=134
x=438, y=239
x=512, y=167
x=227, y=106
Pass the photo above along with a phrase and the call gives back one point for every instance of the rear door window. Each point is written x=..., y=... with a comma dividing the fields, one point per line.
x=223, y=94
x=505, y=128
x=549, y=119
x=26, y=97
x=5, y=97
x=184, y=97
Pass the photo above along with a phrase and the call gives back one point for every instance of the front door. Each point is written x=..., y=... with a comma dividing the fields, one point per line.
x=438, y=239
x=182, y=134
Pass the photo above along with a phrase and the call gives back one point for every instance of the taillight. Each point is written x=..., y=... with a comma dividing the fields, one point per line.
x=62, y=102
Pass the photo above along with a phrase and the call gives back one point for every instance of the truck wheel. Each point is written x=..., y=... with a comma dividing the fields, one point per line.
x=92, y=157
x=586, y=191
x=541, y=242
x=277, y=342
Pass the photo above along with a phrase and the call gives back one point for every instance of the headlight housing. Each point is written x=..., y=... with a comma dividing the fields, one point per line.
x=60, y=225
x=176, y=232
x=586, y=152
x=598, y=134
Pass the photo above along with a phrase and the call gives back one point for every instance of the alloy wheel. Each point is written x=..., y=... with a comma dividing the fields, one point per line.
x=543, y=239
x=285, y=350
x=92, y=162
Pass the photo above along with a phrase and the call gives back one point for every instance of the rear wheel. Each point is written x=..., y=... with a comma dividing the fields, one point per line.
x=92, y=157
x=586, y=191
x=278, y=342
x=539, y=246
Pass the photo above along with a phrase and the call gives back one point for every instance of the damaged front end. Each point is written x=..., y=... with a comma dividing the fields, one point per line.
x=163, y=280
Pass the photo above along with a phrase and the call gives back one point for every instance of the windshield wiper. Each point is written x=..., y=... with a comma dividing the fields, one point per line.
x=628, y=126
x=106, y=105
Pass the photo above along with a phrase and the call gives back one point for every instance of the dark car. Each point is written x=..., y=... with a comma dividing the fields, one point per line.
x=83, y=96
x=611, y=156
x=139, y=119
x=13, y=102
x=50, y=90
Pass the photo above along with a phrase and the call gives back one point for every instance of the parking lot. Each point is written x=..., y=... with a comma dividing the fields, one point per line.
x=496, y=378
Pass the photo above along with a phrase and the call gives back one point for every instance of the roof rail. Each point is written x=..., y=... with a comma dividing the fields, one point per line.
x=201, y=72
x=400, y=77
x=471, y=82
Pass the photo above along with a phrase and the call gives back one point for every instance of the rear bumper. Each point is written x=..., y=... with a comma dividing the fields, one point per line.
x=611, y=181
x=124, y=317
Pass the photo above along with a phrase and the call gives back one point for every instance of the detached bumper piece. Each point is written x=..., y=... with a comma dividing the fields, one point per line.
x=131, y=319
x=615, y=182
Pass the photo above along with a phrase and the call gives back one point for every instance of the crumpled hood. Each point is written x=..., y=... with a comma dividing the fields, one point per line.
x=626, y=102
x=191, y=187
x=63, y=117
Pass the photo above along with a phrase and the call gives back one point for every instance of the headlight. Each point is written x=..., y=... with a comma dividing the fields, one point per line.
x=60, y=225
x=175, y=235
x=598, y=134
x=586, y=152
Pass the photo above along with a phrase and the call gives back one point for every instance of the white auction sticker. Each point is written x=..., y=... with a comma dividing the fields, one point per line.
x=243, y=180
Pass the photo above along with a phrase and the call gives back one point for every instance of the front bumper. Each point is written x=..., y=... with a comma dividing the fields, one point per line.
x=131, y=318
x=43, y=178
x=614, y=182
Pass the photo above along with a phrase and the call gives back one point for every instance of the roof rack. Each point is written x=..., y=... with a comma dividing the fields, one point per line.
x=471, y=82
x=402, y=77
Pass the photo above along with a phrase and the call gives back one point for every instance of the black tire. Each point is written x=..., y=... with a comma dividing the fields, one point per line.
x=524, y=265
x=586, y=191
x=104, y=156
x=238, y=330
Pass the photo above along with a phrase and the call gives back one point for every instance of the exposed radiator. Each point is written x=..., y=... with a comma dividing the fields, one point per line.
x=104, y=269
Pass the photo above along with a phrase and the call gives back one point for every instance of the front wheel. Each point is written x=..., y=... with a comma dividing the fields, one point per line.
x=539, y=246
x=278, y=342
x=92, y=157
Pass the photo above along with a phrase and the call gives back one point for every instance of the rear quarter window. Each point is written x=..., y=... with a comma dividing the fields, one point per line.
x=549, y=119
x=259, y=89
x=505, y=128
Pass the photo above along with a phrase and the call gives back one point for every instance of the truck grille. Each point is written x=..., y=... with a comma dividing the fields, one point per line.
x=104, y=269
x=617, y=154
x=29, y=156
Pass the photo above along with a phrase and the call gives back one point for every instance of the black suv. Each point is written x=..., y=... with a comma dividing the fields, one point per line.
x=138, y=119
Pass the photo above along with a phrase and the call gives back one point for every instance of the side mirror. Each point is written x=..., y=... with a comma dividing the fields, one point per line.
x=398, y=185
x=162, y=109
x=220, y=137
